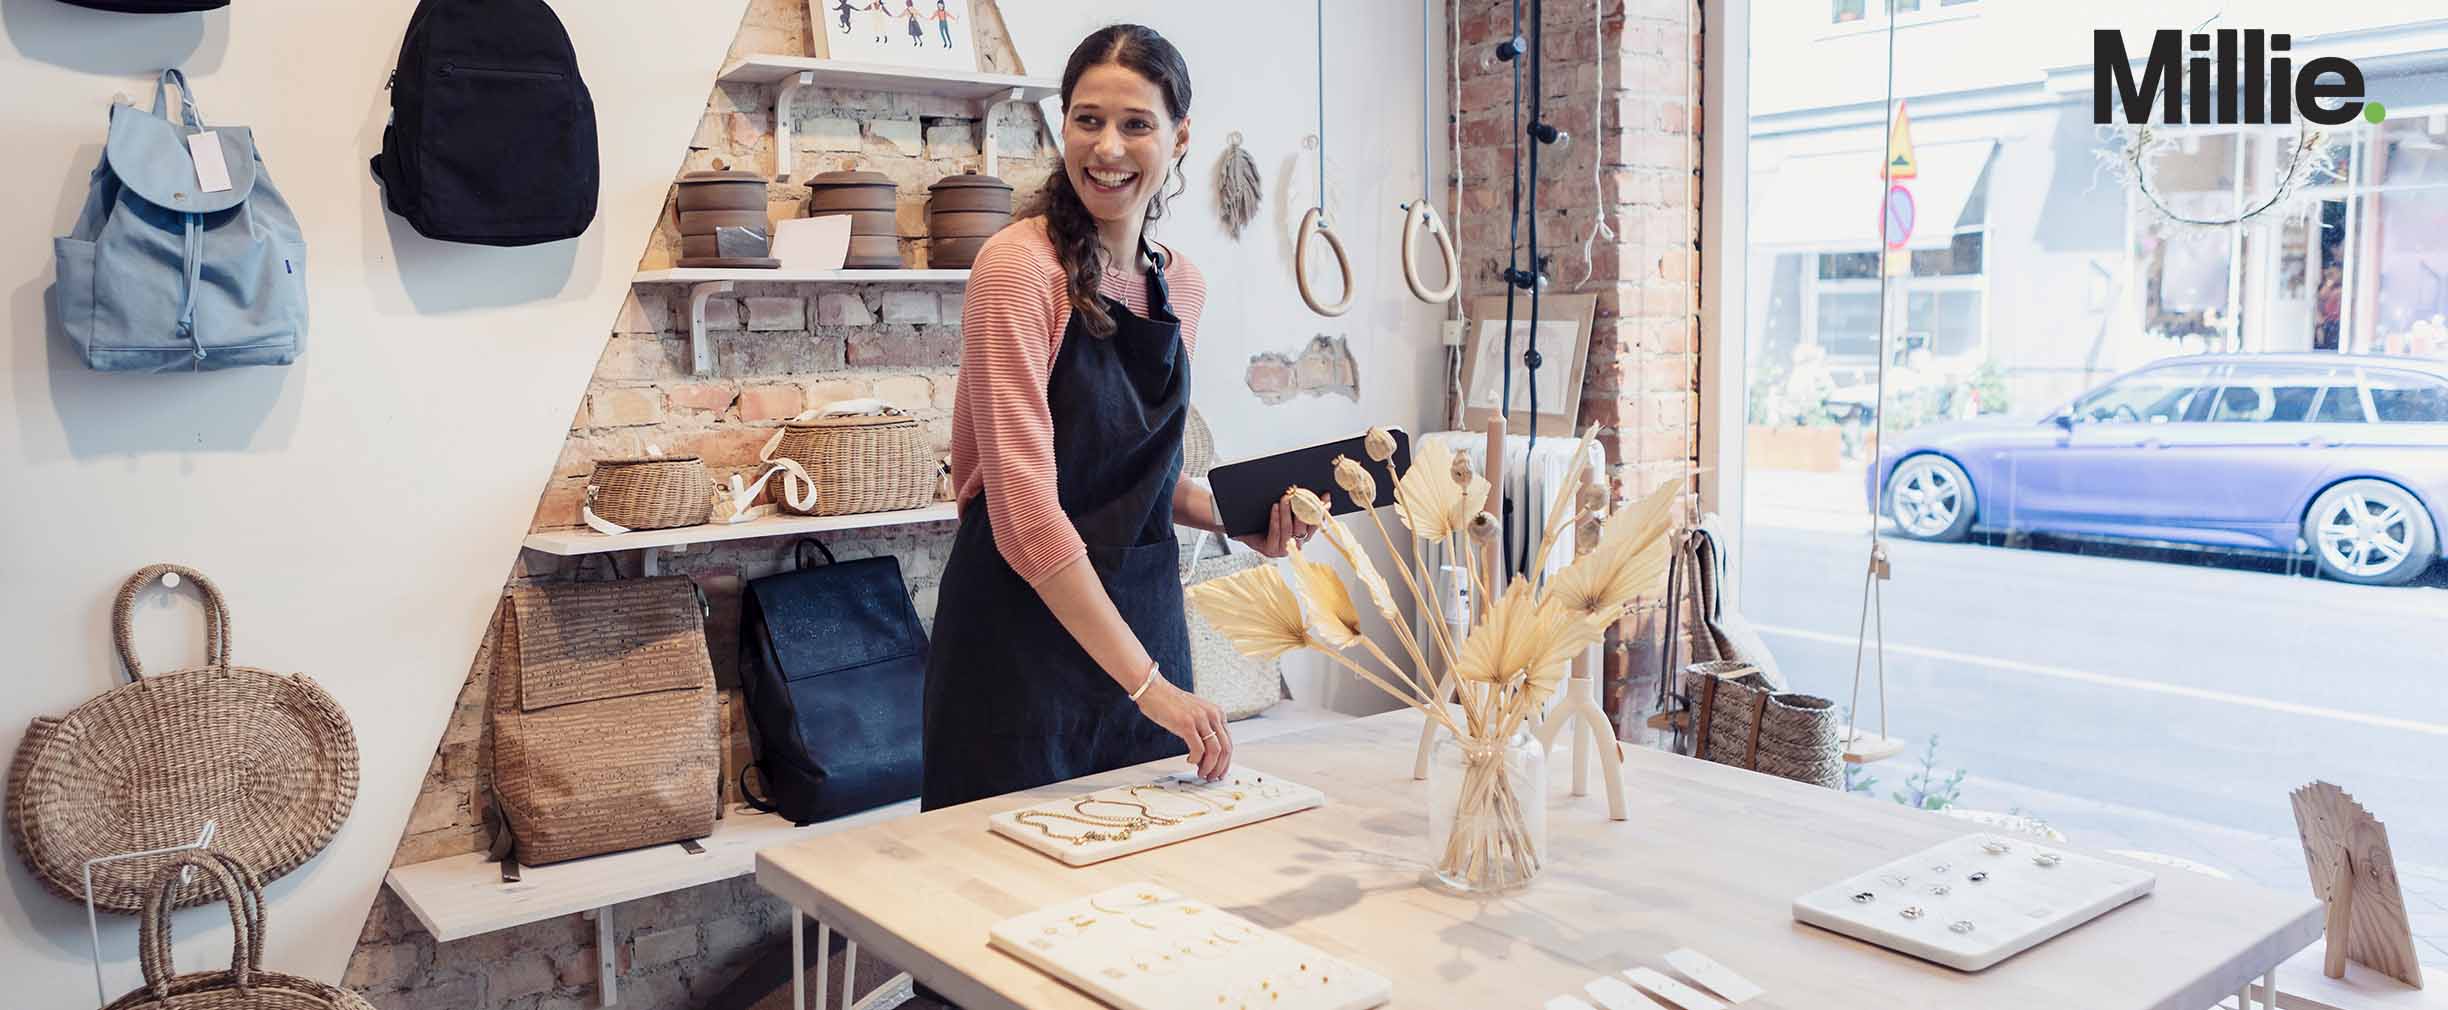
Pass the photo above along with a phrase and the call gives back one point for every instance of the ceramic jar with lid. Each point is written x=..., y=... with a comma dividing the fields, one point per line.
x=713, y=201
x=963, y=211
x=868, y=199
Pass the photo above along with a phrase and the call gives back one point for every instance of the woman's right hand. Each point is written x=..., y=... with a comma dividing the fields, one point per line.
x=1197, y=721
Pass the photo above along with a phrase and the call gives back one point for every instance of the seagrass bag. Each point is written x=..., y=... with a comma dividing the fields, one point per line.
x=853, y=464
x=268, y=757
x=244, y=985
x=606, y=730
x=1739, y=720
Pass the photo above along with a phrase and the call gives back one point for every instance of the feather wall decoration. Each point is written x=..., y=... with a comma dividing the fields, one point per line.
x=1238, y=189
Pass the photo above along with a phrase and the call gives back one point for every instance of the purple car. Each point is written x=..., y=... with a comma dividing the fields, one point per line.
x=2344, y=455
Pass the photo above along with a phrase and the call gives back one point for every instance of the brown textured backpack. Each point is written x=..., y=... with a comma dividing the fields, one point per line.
x=605, y=731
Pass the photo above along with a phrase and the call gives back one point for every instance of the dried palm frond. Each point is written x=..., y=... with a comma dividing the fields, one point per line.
x=1381, y=596
x=1630, y=556
x=1332, y=618
x=1255, y=611
x=1426, y=498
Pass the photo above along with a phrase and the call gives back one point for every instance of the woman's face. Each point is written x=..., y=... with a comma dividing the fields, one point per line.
x=1118, y=142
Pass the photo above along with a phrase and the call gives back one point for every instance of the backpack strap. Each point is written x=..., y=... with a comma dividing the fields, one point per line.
x=188, y=112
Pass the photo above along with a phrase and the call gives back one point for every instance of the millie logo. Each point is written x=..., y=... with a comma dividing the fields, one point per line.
x=2256, y=82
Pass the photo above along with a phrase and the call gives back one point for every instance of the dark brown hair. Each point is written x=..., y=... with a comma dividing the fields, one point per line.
x=1140, y=50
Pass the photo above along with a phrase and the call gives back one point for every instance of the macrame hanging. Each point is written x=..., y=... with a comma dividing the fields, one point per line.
x=1238, y=188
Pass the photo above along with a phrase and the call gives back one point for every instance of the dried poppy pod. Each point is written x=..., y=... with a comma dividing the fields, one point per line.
x=1306, y=506
x=1355, y=481
x=1586, y=533
x=1462, y=472
x=1483, y=527
x=1594, y=496
x=1380, y=444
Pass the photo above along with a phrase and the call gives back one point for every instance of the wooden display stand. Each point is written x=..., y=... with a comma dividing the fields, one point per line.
x=2347, y=851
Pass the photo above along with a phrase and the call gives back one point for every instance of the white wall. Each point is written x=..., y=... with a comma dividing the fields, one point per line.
x=361, y=508
x=1253, y=69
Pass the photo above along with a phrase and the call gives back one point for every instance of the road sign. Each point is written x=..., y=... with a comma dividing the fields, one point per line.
x=1896, y=219
x=1900, y=163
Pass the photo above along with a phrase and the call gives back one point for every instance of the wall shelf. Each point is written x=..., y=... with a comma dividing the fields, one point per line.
x=578, y=542
x=702, y=275
x=823, y=73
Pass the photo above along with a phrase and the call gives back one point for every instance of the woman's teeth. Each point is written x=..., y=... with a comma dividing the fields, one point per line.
x=1112, y=180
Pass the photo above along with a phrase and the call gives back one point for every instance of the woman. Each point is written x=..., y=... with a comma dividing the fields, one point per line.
x=1060, y=647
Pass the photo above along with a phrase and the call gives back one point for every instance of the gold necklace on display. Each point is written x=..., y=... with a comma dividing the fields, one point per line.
x=1145, y=818
x=1194, y=797
x=1093, y=834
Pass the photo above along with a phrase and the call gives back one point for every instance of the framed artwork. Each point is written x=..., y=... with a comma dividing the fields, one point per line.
x=1563, y=345
x=910, y=33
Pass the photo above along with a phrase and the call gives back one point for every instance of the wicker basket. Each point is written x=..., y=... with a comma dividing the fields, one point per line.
x=651, y=494
x=1743, y=722
x=269, y=757
x=244, y=985
x=857, y=464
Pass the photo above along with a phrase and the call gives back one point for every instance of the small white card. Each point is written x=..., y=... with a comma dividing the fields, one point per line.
x=1568, y=1003
x=1716, y=977
x=212, y=170
x=1612, y=991
x=1672, y=991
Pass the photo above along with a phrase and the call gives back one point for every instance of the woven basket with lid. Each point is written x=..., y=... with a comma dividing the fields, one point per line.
x=659, y=493
x=860, y=464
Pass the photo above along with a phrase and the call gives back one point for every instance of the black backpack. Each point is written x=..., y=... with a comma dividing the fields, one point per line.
x=833, y=671
x=150, y=6
x=492, y=135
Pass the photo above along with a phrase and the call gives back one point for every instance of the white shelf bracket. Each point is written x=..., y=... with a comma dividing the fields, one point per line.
x=785, y=97
x=607, y=958
x=986, y=127
x=701, y=350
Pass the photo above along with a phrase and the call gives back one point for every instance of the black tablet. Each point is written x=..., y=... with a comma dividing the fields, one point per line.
x=1246, y=491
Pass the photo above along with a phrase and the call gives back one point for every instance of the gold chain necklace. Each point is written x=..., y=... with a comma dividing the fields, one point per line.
x=1191, y=796
x=1091, y=835
x=1144, y=819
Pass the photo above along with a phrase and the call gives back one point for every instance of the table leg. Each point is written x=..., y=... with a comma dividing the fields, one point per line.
x=850, y=975
x=798, y=960
x=824, y=962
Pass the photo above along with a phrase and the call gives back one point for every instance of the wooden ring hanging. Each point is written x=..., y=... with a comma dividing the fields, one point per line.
x=1314, y=223
x=1423, y=215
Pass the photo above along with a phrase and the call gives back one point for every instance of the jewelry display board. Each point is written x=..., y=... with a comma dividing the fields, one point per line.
x=1110, y=823
x=1974, y=901
x=1143, y=947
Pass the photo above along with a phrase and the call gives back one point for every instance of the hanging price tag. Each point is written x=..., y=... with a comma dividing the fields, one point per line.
x=212, y=170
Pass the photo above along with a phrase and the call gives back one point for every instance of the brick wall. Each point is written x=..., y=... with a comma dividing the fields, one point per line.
x=1622, y=81
x=780, y=349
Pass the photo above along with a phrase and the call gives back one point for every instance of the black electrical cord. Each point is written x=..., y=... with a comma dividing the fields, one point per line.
x=1540, y=136
x=1511, y=51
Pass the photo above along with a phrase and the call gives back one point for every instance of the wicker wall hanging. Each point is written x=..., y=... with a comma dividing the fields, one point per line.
x=269, y=757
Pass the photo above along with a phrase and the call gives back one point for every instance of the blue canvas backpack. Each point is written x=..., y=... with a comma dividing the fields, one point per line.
x=167, y=273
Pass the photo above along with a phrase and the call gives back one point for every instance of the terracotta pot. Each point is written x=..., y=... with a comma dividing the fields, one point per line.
x=953, y=253
x=874, y=252
x=851, y=191
x=966, y=224
x=722, y=191
x=704, y=222
x=969, y=192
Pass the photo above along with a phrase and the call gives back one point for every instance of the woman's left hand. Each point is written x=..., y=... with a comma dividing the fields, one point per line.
x=1283, y=530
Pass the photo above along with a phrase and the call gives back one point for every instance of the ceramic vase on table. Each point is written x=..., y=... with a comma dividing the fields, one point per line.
x=1487, y=814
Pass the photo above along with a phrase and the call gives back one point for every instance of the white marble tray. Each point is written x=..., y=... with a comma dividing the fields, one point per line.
x=2019, y=905
x=1143, y=947
x=1246, y=796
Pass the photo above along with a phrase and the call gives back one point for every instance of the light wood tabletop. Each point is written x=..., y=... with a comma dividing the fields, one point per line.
x=1711, y=859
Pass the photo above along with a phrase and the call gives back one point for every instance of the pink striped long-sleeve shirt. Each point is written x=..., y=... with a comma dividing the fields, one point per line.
x=1012, y=324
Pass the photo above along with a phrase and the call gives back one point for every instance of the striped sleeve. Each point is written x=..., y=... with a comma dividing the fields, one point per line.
x=1011, y=324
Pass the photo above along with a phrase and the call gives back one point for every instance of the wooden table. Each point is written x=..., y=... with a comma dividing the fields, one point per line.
x=1712, y=859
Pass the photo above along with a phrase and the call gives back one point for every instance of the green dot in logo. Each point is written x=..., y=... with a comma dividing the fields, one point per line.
x=2374, y=112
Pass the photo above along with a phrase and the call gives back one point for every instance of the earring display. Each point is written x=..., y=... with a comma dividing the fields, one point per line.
x=1144, y=947
x=2024, y=898
x=1109, y=823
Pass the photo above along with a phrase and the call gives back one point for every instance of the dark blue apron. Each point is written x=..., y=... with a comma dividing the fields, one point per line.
x=1012, y=701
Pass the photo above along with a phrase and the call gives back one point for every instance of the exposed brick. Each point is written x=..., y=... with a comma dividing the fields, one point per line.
x=728, y=446
x=767, y=315
x=432, y=845
x=771, y=403
x=829, y=133
x=952, y=139
x=897, y=136
x=665, y=946
x=903, y=347
x=643, y=313
x=524, y=974
x=843, y=309
x=910, y=392
x=911, y=307
x=435, y=811
x=623, y=406
x=722, y=314
x=947, y=390
x=573, y=967
x=953, y=303
x=461, y=993
x=702, y=397
x=824, y=391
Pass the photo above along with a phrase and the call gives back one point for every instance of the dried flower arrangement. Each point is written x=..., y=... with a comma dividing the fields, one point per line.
x=1514, y=654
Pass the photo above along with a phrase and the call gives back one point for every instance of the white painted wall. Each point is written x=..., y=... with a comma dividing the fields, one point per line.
x=361, y=508
x=1253, y=69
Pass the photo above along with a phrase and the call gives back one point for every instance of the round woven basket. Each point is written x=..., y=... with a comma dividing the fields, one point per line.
x=651, y=494
x=858, y=465
x=269, y=758
x=244, y=985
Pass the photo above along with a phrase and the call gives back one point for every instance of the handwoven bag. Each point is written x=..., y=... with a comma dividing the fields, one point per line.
x=1739, y=720
x=656, y=493
x=244, y=985
x=605, y=723
x=1239, y=685
x=268, y=757
x=854, y=465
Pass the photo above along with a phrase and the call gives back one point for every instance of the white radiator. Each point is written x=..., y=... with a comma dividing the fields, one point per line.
x=1549, y=469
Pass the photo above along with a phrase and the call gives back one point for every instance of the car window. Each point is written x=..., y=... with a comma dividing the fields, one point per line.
x=2265, y=393
x=2341, y=401
x=2157, y=396
x=2403, y=397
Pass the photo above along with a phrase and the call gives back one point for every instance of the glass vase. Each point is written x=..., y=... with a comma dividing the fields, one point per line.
x=1487, y=813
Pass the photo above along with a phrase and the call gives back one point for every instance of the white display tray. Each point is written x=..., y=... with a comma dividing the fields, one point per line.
x=1143, y=947
x=2019, y=906
x=1261, y=796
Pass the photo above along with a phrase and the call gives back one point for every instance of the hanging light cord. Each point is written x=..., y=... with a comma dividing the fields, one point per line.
x=1531, y=359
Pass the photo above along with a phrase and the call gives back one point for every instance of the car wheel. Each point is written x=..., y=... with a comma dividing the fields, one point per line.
x=2371, y=533
x=1930, y=498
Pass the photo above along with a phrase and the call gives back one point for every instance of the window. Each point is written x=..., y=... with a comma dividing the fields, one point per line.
x=2341, y=402
x=2255, y=394
x=1848, y=11
x=2404, y=397
x=2157, y=397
